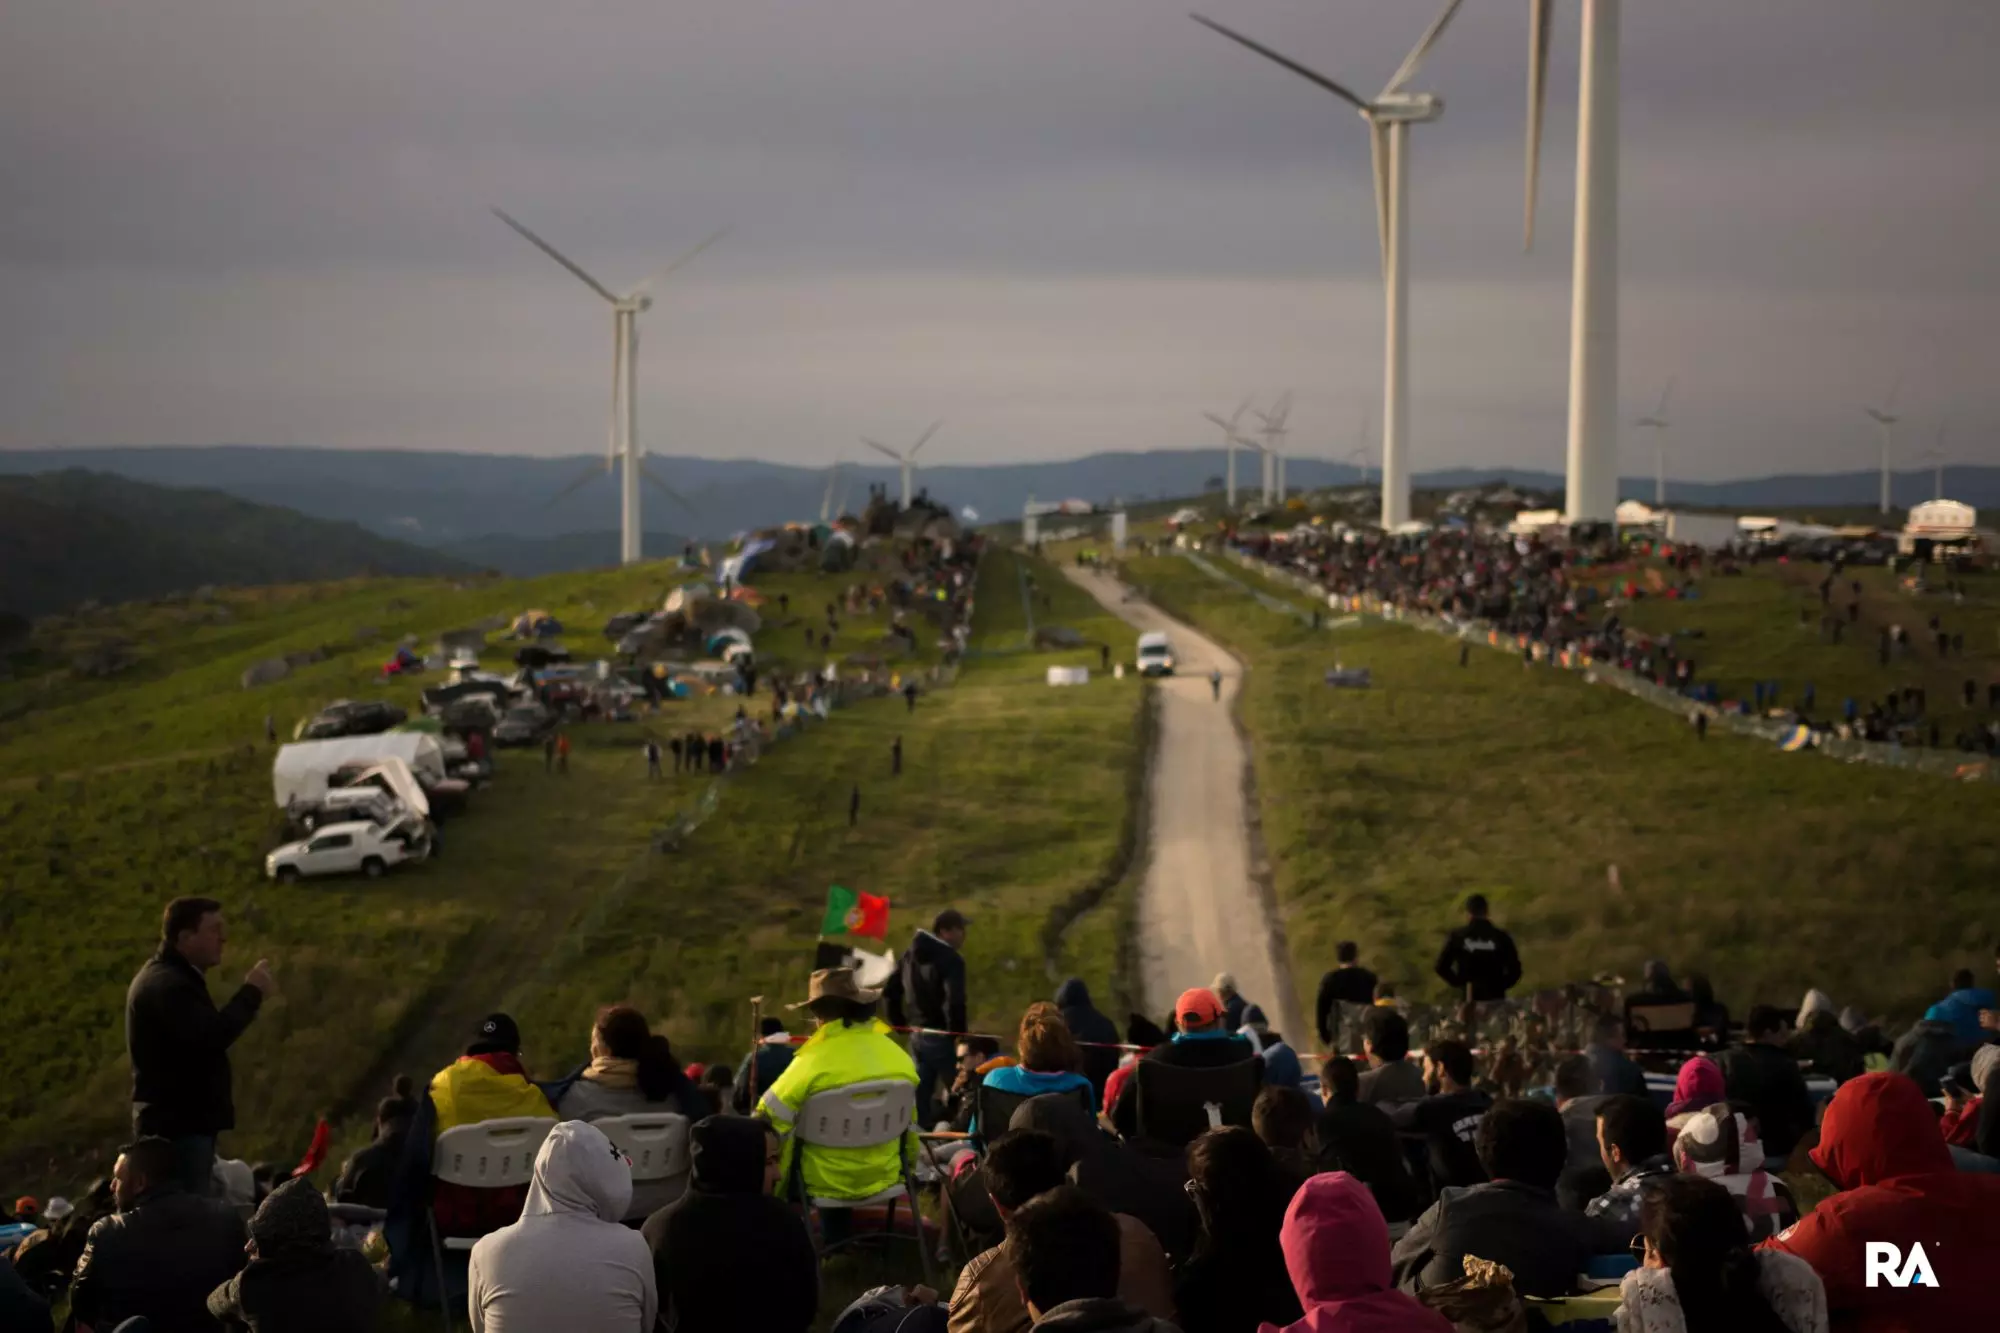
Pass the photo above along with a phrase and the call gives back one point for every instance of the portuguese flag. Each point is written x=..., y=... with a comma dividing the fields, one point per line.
x=851, y=913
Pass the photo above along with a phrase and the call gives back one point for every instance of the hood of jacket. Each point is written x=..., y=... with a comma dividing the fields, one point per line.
x=1717, y=1142
x=1062, y=1117
x=1879, y=1127
x=727, y=1152
x=579, y=1173
x=1335, y=1241
x=1699, y=1084
x=1073, y=994
x=1816, y=1002
x=1984, y=1062
x=928, y=948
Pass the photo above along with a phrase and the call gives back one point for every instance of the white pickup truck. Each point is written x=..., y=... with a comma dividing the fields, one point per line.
x=338, y=849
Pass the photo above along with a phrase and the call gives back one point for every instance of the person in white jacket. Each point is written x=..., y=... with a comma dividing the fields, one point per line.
x=1700, y=1272
x=567, y=1263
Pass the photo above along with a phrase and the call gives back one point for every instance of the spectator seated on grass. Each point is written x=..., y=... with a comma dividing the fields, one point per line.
x=1700, y=1273
x=1632, y=1134
x=1823, y=1043
x=762, y=1066
x=1391, y=1078
x=1049, y=1059
x=1236, y=1277
x=298, y=1280
x=1065, y=1247
x=369, y=1175
x=1513, y=1219
x=1617, y=1073
x=726, y=1254
x=1021, y=1165
x=1200, y=1041
x=1577, y=1100
x=1447, y=1116
x=849, y=1045
x=1721, y=1143
x=1337, y=1251
x=567, y=1263
x=1283, y=1119
x=1698, y=1086
x=1361, y=1140
x=1762, y=1075
x=161, y=1254
x=1879, y=1145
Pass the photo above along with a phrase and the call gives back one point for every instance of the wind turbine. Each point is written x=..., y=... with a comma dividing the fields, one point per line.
x=1885, y=419
x=907, y=458
x=1389, y=116
x=1658, y=422
x=1936, y=455
x=1232, y=440
x=1274, y=433
x=826, y=500
x=625, y=312
x=1591, y=474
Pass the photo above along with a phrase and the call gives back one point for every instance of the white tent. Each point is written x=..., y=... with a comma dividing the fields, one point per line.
x=301, y=768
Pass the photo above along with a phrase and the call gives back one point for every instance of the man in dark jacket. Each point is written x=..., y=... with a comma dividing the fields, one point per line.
x=1087, y=1025
x=1513, y=1219
x=298, y=1280
x=762, y=1066
x=1448, y=1117
x=1348, y=983
x=1361, y=1140
x=1765, y=1076
x=1618, y=1075
x=1200, y=1041
x=928, y=991
x=160, y=1254
x=368, y=1177
x=1479, y=955
x=179, y=1041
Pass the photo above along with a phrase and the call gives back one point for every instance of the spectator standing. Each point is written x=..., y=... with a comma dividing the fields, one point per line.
x=1233, y=1004
x=179, y=1040
x=1098, y=1033
x=726, y=1247
x=652, y=758
x=1336, y=1249
x=368, y=1177
x=674, y=747
x=1065, y=1250
x=1391, y=1078
x=1448, y=1117
x=1215, y=684
x=762, y=1066
x=298, y=1280
x=1022, y=1165
x=1348, y=983
x=1618, y=1075
x=1879, y=1144
x=1632, y=1137
x=1763, y=1074
x=1478, y=960
x=567, y=1263
x=1199, y=1042
x=1699, y=1273
x=1236, y=1278
x=1360, y=1139
x=928, y=991
x=1722, y=1145
x=1514, y=1218
x=161, y=1254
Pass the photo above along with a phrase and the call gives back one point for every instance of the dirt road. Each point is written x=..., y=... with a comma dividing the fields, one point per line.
x=1199, y=910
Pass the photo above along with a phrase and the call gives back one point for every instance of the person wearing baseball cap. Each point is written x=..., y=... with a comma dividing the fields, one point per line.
x=1201, y=1040
x=488, y=1082
x=850, y=1045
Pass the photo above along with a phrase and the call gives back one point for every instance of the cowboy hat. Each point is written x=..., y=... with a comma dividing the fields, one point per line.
x=836, y=983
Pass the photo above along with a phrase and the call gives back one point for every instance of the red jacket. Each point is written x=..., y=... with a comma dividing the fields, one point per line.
x=1337, y=1252
x=1879, y=1142
x=1961, y=1126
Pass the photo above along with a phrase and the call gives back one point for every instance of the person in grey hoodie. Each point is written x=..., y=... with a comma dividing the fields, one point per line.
x=567, y=1263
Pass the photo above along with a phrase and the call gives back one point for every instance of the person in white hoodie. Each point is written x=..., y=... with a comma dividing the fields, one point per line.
x=567, y=1263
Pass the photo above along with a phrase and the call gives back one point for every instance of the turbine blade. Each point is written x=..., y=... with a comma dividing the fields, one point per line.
x=1309, y=75
x=558, y=256
x=652, y=479
x=665, y=269
x=583, y=479
x=1228, y=427
x=924, y=438
x=1539, y=20
x=882, y=449
x=1378, y=152
x=1408, y=68
x=1237, y=415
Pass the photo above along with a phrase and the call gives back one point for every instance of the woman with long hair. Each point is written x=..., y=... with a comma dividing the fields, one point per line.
x=1700, y=1272
x=1051, y=1061
x=1236, y=1278
x=632, y=1070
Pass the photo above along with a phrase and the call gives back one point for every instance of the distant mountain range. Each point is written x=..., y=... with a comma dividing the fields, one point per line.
x=470, y=503
x=74, y=536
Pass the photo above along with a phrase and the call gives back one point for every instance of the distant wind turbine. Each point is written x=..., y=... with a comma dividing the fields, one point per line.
x=907, y=458
x=1657, y=422
x=625, y=312
x=1885, y=419
x=1389, y=116
x=1233, y=440
x=1274, y=433
x=826, y=500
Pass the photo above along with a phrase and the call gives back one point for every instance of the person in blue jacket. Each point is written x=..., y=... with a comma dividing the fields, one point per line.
x=1961, y=1008
x=1050, y=1059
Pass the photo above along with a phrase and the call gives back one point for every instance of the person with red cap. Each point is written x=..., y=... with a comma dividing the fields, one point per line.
x=1879, y=1143
x=1337, y=1251
x=1201, y=1040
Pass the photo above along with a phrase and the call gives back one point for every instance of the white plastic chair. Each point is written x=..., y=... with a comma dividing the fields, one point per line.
x=487, y=1155
x=655, y=1143
x=863, y=1115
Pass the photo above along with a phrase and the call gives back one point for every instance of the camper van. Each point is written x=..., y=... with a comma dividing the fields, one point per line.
x=1156, y=654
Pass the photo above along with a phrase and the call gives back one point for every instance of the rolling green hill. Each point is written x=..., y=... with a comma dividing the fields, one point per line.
x=76, y=536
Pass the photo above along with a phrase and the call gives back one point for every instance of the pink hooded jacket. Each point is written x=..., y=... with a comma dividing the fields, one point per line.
x=1337, y=1251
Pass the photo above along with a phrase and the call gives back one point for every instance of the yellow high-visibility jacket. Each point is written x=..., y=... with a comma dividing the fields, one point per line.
x=839, y=1056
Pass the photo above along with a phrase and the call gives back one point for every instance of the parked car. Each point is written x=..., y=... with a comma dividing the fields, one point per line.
x=526, y=724
x=348, y=717
x=339, y=849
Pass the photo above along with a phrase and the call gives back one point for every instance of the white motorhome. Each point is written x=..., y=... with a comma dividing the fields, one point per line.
x=300, y=771
x=1156, y=654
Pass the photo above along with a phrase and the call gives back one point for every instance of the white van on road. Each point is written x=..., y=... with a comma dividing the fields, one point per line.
x=1156, y=654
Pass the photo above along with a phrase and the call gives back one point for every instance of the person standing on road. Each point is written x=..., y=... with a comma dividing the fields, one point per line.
x=928, y=991
x=652, y=759
x=1215, y=683
x=1479, y=955
x=179, y=1041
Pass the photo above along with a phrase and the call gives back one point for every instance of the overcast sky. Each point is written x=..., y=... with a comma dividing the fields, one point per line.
x=1062, y=225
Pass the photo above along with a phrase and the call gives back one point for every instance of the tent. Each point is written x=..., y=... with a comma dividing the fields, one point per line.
x=723, y=641
x=534, y=624
x=300, y=770
x=683, y=597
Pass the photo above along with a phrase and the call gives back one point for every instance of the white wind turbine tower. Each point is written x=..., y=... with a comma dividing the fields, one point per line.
x=1274, y=433
x=1389, y=116
x=625, y=312
x=1232, y=440
x=1591, y=490
x=1885, y=419
x=826, y=500
x=1657, y=422
x=907, y=458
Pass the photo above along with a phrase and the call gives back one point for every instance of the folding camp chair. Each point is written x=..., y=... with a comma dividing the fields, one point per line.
x=1177, y=1105
x=655, y=1143
x=487, y=1155
x=996, y=1109
x=861, y=1115
x=1661, y=1027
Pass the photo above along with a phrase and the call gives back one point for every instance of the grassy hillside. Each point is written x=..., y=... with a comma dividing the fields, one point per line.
x=1771, y=872
x=548, y=899
x=76, y=536
x=528, y=557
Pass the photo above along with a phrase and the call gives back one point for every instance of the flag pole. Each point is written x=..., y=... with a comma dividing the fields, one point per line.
x=756, y=1046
